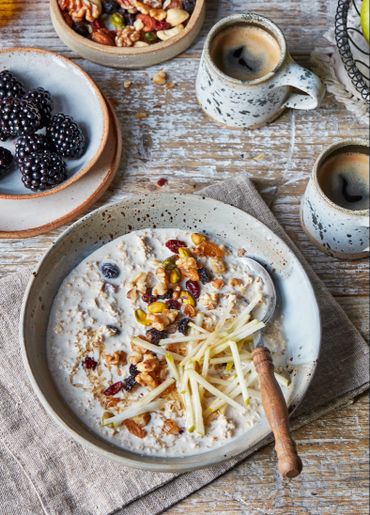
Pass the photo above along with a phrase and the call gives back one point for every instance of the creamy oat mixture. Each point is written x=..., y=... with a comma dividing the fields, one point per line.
x=149, y=342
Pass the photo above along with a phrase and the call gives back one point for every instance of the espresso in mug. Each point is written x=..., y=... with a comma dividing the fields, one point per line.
x=245, y=52
x=344, y=179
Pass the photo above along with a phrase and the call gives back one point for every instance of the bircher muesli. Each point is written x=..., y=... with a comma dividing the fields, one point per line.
x=150, y=341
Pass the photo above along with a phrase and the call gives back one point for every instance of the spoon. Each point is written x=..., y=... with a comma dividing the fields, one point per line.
x=273, y=401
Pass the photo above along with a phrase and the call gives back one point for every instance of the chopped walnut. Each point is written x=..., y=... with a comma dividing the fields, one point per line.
x=117, y=358
x=140, y=282
x=81, y=10
x=217, y=284
x=190, y=311
x=162, y=286
x=218, y=265
x=127, y=37
x=150, y=363
x=170, y=427
x=160, y=321
x=147, y=380
x=188, y=267
x=133, y=295
x=134, y=428
x=209, y=300
x=235, y=282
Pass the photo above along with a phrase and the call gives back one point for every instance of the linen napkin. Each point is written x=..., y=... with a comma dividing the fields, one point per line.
x=43, y=470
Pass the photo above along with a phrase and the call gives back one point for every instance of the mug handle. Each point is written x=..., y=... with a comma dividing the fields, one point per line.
x=300, y=78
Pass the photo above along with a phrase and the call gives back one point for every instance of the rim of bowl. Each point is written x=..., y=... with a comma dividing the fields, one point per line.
x=104, y=137
x=155, y=465
x=133, y=51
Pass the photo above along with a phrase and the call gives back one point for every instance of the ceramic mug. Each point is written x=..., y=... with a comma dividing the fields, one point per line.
x=340, y=232
x=254, y=103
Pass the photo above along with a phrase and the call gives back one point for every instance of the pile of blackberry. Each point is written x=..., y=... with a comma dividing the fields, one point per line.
x=39, y=156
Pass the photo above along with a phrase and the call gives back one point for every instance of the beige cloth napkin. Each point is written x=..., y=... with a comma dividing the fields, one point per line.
x=42, y=470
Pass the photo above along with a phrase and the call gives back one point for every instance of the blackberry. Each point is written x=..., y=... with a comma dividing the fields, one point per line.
x=18, y=117
x=28, y=144
x=42, y=170
x=81, y=28
x=10, y=87
x=65, y=136
x=6, y=159
x=42, y=100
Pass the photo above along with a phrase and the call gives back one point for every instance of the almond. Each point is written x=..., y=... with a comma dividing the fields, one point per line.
x=134, y=428
x=103, y=37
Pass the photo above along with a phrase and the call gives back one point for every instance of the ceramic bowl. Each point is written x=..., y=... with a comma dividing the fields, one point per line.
x=74, y=93
x=128, y=57
x=297, y=306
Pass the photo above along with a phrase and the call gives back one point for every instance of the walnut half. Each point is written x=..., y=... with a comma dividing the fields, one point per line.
x=80, y=10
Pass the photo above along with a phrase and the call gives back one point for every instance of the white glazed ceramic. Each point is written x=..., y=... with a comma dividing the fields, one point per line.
x=339, y=232
x=252, y=104
x=297, y=305
x=33, y=216
x=132, y=57
x=74, y=93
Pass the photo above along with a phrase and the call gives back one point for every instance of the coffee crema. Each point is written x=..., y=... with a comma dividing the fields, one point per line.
x=344, y=179
x=245, y=52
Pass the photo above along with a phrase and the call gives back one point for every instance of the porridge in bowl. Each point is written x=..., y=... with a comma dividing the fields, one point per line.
x=150, y=342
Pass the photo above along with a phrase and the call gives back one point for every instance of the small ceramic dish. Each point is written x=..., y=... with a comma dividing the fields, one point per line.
x=74, y=93
x=33, y=216
x=297, y=308
x=128, y=57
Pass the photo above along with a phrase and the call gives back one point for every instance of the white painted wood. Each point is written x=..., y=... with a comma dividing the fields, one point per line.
x=178, y=142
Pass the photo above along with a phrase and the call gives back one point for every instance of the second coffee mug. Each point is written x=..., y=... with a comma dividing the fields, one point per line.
x=247, y=77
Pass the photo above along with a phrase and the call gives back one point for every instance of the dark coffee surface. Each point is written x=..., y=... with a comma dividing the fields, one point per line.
x=344, y=178
x=245, y=52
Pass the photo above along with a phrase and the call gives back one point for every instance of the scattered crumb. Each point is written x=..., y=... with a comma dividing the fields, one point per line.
x=127, y=84
x=241, y=252
x=160, y=78
x=141, y=116
x=170, y=85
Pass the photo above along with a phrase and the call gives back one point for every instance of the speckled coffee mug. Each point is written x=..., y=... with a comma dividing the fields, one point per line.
x=254, y=103
x=340, y=232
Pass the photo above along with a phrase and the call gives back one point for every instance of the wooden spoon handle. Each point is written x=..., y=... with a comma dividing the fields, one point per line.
x=276, y=411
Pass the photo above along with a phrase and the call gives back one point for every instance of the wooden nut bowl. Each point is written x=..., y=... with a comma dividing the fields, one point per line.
x=133, y=58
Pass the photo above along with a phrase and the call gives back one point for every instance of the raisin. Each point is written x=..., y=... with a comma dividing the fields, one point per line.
x=156, y=336
x=204, y=276
x=129, y=383
x=110, y=270
x=175, y=245
x=114, y=389
x=183, y=325
x=89, y=363
x=133, y=370
x=193, y=288
x=166, y=296
x=148, y=296
x=173, y=304
x=114, y=331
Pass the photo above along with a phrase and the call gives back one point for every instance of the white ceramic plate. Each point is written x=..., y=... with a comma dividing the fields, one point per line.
x=74, y=93
x=33, y=216
x=296, y=304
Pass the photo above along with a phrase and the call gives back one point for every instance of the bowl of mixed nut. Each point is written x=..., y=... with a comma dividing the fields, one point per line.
x=127, y=33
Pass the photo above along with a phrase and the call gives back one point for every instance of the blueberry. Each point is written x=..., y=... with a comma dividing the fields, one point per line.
x=110, y=270
x=109, y=6
x=188, y=5
x=204, y=276
x=183, y=325
x=81, y=29
x=129, y=383
x=129, y=18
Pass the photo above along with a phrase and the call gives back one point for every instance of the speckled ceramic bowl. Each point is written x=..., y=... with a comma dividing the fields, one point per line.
x=297, y=305
x=128, y=57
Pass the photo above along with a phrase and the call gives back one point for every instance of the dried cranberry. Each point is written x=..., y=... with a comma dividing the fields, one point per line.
x=113, y=389
x=129, y=383
x=96, y=25
x=173, y=304
x=193, y=288
x=183, y=325
x=156, y=336
x=162, y=182
x=162, y=25
x=148, y=296
x=204, y=276
x=175, y=245
x=89, y=363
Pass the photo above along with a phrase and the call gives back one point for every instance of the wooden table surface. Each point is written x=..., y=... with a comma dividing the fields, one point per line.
x=178, y=142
